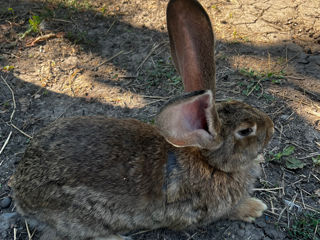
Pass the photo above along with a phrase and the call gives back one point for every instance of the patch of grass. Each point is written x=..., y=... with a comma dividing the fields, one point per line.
x=164, y=72
x=306, y=226
x=316, y=160
x=286, y=156
x=254, y=84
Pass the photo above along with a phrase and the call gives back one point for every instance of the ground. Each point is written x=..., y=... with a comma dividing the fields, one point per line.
x=63, y=58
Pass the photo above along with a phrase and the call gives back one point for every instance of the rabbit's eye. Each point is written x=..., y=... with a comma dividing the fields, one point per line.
x=245, y=132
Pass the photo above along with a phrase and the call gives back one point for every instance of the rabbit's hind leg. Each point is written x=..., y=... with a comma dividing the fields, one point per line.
x=248, y=210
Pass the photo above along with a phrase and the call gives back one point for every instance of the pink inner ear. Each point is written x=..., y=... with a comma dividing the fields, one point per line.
x=195, y=115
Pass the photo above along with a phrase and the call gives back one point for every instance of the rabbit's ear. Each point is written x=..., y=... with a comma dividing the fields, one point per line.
x=192, y=44
x=190, y=121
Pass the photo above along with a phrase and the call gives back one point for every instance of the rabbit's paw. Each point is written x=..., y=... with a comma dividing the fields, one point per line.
x=249, y=210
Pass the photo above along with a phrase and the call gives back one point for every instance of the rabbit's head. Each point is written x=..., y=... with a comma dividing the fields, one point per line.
x=231, y=134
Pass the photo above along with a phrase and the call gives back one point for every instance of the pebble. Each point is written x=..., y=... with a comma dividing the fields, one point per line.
x=5, y=203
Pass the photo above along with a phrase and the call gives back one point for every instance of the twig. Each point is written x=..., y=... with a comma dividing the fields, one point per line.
x=60, y=20
x=14, y=109
x=149, y=54
x=315, y=177
x=310, y=155
x=13, y=99
x=155, y=101
x=5, y=144
x=315, y=231
x=267, y=189
x=14, y=233
x=63, y=112
x=27, y=227
x=293, y=77
x=156, y=97
x=286, y=63
x=110, y=27
x=109, y=59
x=304, y=206
x=191, y=237
x=27, y=135
x=254, y=87
x=42, y=38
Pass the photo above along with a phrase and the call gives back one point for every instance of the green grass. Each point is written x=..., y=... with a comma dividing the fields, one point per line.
x=306, y=226
x=253, y=85
x=161, y=72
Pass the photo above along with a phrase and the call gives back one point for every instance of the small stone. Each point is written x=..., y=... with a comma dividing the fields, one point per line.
x=5, y=203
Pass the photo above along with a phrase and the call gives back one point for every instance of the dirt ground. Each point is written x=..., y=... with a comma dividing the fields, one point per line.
x=112, y=58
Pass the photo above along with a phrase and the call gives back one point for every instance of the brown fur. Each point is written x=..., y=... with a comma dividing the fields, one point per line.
x=97, y=177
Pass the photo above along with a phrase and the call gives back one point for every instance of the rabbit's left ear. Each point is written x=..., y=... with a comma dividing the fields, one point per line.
x=192, y=44
x=189, y=121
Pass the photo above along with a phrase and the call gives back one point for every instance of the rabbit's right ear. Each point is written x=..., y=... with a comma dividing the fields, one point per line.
x=190, y=121
x=192, y=44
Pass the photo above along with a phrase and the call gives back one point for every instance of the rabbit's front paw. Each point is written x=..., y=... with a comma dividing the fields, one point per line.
x=249, y=210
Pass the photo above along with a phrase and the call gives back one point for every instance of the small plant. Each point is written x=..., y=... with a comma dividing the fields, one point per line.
x=164, y=72
x=254, y=83
x=6, y=105
x=286, y=156
x=34, y=23
x=11, y=11
x=305, y=227
x=8, y=68
x=316, y=160
x=34, y=26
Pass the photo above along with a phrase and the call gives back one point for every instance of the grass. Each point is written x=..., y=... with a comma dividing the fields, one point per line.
x=255, y=80
x=306, y=226
x=161, y=72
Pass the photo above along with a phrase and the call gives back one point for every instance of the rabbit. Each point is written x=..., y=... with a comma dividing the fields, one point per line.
x=96, y=177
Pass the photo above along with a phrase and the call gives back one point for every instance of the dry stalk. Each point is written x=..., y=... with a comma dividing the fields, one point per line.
x=28, y=231
x=5, y=144
x=109, y=59
x=14, y=233
x=149, y=54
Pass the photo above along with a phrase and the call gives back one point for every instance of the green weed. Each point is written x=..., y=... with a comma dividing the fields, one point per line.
x=286, y=156
x=11, y=11
x=306, y=227
x=254, y=84
x=316, y=160
x=34, y=26
x=164, y=72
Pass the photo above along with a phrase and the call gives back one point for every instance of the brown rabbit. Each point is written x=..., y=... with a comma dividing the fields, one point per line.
x=98, y=177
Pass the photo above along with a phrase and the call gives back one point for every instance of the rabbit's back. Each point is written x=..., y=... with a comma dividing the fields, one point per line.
x=85, y=165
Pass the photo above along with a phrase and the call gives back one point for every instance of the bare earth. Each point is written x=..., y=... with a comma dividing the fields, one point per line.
x=112, y=58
